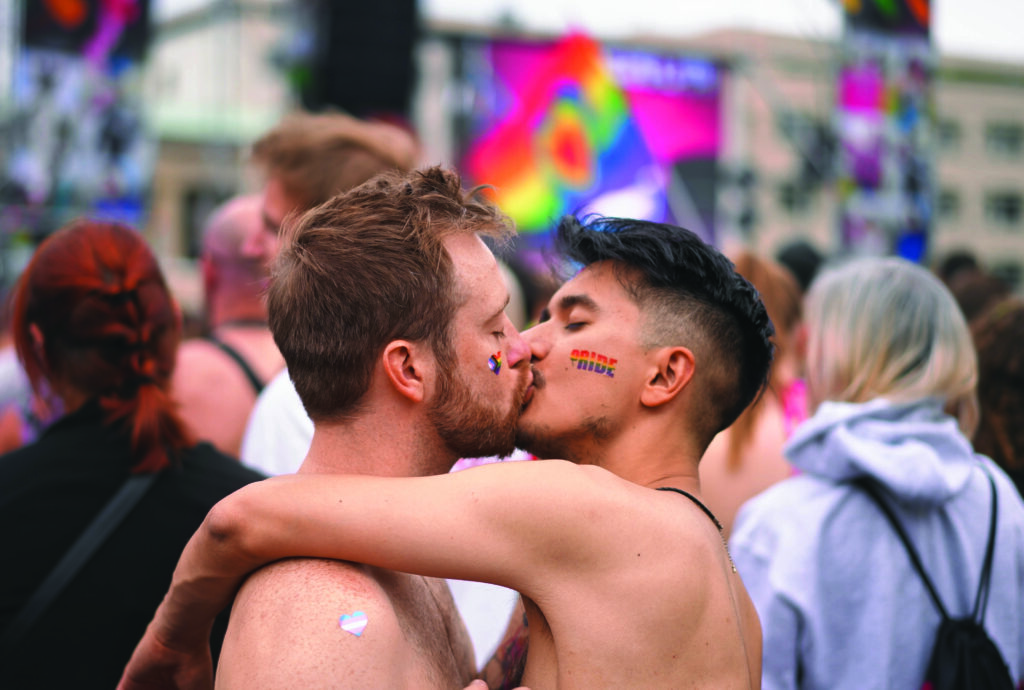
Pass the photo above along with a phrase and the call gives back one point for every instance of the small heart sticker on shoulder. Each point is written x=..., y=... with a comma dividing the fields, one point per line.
x=354, y=623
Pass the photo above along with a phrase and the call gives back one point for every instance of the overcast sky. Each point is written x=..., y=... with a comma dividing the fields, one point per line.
x=979, y=28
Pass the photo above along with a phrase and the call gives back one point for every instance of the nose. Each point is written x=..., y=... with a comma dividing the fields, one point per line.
x=537, y=341
x=517, y=349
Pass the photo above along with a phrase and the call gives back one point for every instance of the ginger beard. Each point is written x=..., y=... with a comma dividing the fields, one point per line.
x=469, y=421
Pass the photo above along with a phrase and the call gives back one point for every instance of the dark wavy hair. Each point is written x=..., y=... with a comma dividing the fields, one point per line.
x=110, y=330
x=997, y=336
x=691, y=295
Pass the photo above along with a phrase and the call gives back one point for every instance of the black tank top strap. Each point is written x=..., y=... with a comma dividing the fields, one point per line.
x=695, y=500
x=231, y=352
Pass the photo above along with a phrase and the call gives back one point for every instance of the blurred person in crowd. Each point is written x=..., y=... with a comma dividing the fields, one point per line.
x=976, y=292
x=640, y=359
x=956, y=263
x=307, y=160
x=11, y=388
x=538, y=283
x=95, y=323
x=23, y=414
x=891, y=375
x=801, y=259
x=747, y=458
x=387, y=305
x=218, y=377
x=998, y=335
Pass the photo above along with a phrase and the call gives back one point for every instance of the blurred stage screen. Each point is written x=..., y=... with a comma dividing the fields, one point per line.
x=572, y=126
x=884, y=113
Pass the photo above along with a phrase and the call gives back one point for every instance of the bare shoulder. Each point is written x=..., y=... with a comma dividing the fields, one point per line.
x=311, y=623
x=198, y=360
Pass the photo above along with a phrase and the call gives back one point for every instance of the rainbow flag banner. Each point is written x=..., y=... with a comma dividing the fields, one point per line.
x=572, y=127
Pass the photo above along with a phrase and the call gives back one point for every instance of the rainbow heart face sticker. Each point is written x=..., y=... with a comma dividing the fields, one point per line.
x=591, y=361
x=495, y=363
x=354, y=623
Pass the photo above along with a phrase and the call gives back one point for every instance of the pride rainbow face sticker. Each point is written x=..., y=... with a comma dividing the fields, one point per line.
x=591, y=361
x=494, y=362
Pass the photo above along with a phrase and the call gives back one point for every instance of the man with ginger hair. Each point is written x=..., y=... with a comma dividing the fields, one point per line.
x=308, y=159
x=374, y=295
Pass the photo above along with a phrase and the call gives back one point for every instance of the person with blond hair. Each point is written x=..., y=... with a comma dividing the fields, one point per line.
x=747, y=458
x=891, y=375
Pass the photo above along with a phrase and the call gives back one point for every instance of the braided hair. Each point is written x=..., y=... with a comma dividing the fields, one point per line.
x=109, y=329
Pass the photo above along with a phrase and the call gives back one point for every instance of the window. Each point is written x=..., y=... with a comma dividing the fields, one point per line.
x=1004, y=208
x=948, y=134
x=948, y=204
x=794, y=197
x=1004, y=139
x=1009, y=273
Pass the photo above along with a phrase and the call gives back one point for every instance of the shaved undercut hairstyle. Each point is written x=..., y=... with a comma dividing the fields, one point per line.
x=691, y=295
x=364, y=269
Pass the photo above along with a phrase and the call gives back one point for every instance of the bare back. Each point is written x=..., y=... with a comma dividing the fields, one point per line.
x=672, y=609
x=214, y=392
x=330, y=624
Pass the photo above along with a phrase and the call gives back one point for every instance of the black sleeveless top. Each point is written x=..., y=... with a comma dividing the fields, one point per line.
x=231, y=352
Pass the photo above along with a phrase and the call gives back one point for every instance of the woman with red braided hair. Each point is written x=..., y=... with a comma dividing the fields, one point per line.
x=95, y=324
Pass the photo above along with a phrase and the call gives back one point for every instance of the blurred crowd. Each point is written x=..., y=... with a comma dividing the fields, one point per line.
x=907, y=374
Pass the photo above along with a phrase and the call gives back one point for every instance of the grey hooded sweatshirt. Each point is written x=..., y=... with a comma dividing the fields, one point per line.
x=840, y=603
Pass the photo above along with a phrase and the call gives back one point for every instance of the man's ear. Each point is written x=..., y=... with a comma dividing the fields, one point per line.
x=675, y=367
x=407, y=368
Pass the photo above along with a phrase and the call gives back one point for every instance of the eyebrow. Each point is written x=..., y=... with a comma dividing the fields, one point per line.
x=569, y=301
x=504, y=306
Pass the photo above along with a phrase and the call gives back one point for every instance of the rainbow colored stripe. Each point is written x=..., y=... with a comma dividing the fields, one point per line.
x=494, y=362
x=570, y=133
x=592, y=361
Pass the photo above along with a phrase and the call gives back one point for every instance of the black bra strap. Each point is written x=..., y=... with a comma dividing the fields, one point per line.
x=231, y=352
x=695, y=500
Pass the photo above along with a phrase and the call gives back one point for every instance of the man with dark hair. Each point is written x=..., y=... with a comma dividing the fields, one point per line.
x=650, y=350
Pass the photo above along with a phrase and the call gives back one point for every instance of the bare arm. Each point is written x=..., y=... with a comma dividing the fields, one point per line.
x=511, y=524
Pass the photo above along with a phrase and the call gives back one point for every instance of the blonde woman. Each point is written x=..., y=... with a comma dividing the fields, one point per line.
x=891, y=382
x=747, y=458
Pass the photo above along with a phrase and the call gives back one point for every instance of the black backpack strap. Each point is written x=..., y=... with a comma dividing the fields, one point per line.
x=872, y=491
x=231, y=352
x=77, y=556
x=981, y=599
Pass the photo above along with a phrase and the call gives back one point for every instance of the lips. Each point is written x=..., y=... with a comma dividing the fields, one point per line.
x=534, y=381
x=527, y=396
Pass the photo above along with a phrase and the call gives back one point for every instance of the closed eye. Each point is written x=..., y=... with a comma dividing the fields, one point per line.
x=575, y=325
